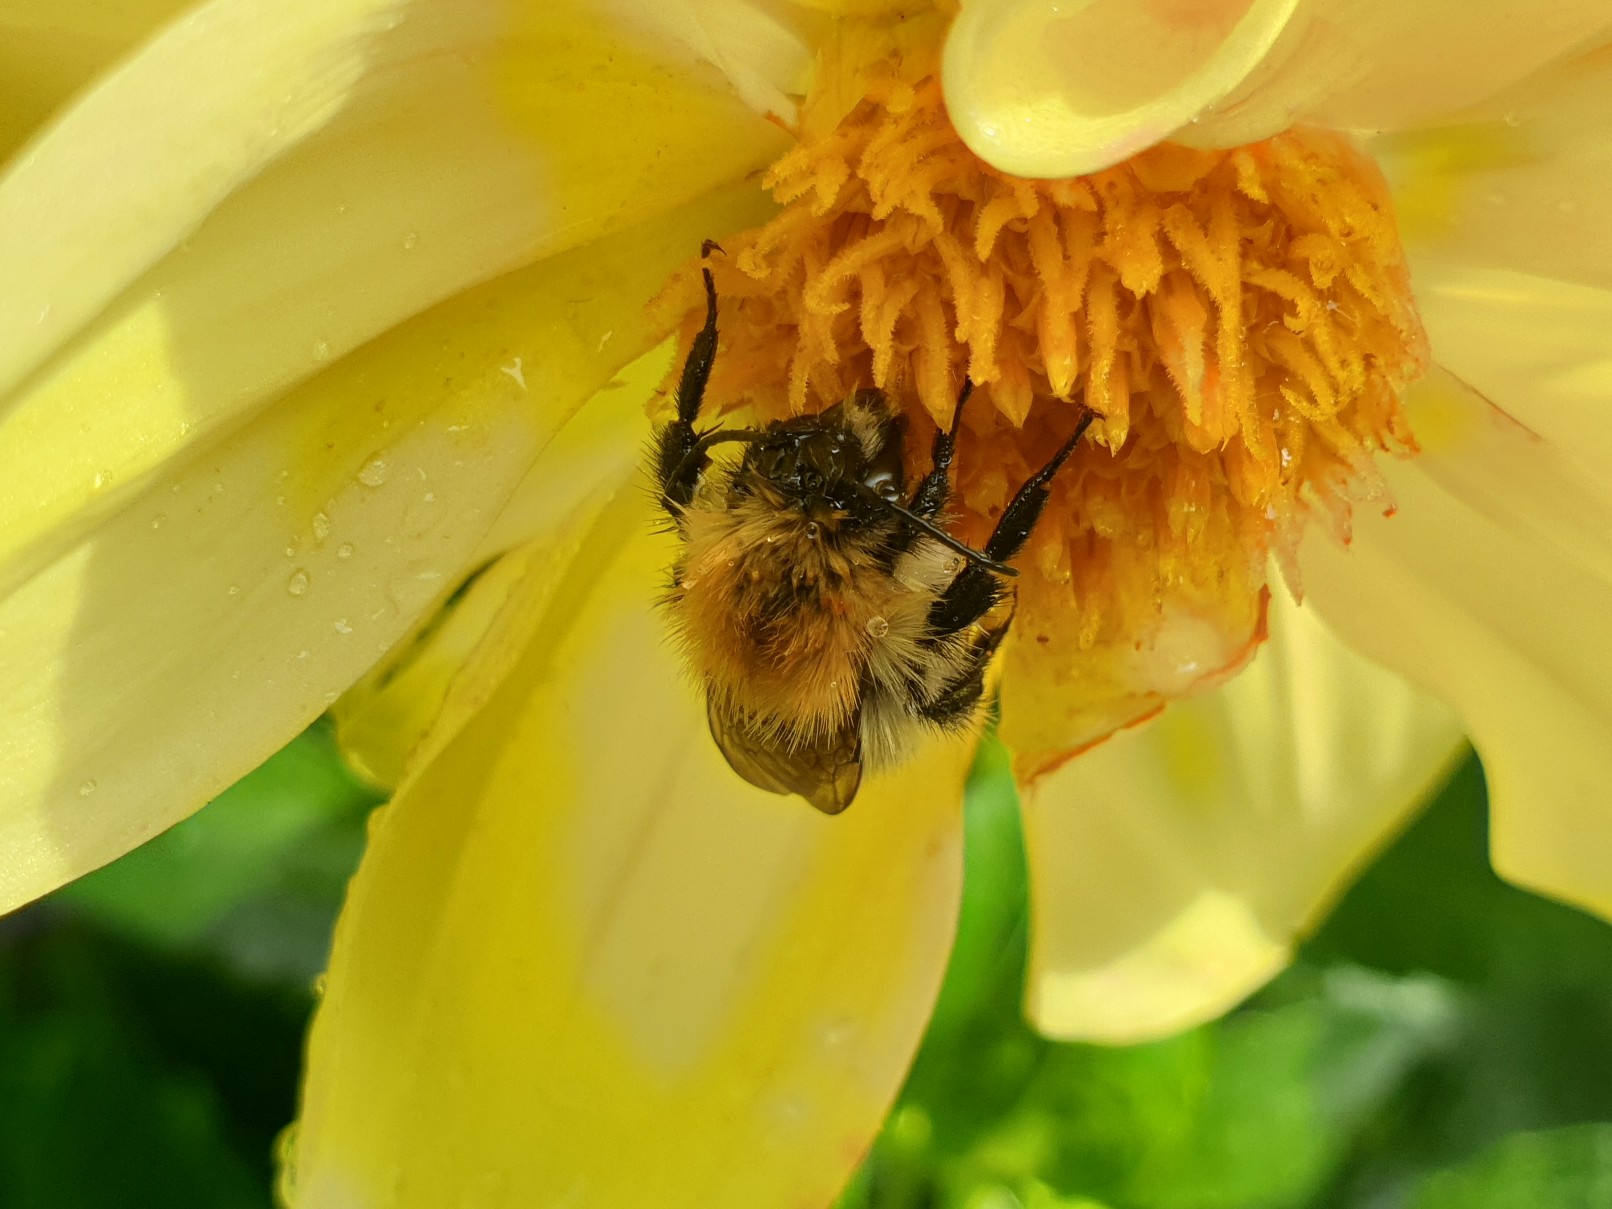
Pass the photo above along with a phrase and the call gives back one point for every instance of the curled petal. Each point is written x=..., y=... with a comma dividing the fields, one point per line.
x=582, y=959
x=1044, y=89
x=1173, y=866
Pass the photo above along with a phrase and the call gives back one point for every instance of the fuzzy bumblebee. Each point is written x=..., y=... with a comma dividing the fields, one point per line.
x=829, y=616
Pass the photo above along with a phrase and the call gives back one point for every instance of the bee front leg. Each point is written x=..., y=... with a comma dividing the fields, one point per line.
x=936, y=487
x=679, y=452
x=976, y=589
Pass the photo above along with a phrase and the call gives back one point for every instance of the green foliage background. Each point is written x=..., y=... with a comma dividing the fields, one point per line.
x=1444, y=1041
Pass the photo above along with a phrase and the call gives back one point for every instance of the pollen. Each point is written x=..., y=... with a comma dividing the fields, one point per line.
x=1240, y=321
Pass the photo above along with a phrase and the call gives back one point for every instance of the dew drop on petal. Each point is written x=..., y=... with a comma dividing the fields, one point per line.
x=345, y=550
x=298, y=583
x=878, y=627
x=87, y=788
x=321, y=526
x=342, y=626
x=374, y=472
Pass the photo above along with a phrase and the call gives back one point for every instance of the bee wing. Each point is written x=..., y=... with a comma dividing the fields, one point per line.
x=826, y=773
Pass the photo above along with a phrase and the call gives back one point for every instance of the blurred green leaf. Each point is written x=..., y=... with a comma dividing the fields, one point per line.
x=132, y=1078
x=256, y=876
x=1559, y=1169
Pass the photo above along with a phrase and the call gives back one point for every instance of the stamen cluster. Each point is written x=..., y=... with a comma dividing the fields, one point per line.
x=1241, y=321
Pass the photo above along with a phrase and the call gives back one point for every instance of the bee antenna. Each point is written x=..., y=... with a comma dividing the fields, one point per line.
x=944, y=538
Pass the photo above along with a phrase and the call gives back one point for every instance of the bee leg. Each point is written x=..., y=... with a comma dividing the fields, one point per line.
x=1024, y=509
x=936, y=487
x=976, y=590
x=679, y=456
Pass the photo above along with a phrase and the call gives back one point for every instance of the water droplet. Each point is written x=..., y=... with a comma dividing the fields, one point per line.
x=430, y=497
x=234, y=589
x=321, y=526
x=157, y=521
x=321, y=349
x=342, y=626
x=100, y=479
x=878, y=627
x=374, y=472
x=953, y=563
x=345, y=550
x=1287, y=457
x=411, y=240
x=811, y=531
x=87, y=788
x=298, y=583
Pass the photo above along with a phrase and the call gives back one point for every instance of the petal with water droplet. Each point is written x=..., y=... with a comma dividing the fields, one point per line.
x=266, y=163
x=166, y=661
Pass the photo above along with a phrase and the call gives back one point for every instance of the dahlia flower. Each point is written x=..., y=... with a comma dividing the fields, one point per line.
x=327, y=365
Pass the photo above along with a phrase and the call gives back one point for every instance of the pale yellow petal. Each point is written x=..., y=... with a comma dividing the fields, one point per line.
x=49, y=49
x=223, y=608
x=1539, y=349
x=1492, y=585
x=1173, y=867
x=1519, y=183
x=584, y=965
x=382, y=720
x=1045, y=88
x=332, y=169
x=1374, y=65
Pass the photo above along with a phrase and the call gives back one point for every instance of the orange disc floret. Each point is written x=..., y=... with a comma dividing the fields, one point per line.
x=1240, y=320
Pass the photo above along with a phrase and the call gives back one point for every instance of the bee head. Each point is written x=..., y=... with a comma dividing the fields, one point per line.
x=826, y=463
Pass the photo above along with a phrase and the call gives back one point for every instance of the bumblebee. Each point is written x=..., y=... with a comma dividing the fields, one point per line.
x=828, y=614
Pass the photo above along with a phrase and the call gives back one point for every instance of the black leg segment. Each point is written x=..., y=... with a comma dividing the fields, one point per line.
x=936, y=487
x=679, y=455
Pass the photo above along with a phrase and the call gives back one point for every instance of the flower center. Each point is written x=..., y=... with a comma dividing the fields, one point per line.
x=1240, y=321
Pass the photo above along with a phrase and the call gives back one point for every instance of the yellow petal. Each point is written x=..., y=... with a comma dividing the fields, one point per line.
x=1043, y=88
x=213, y=617
x=1541, y=350
x=349, y=163
x=583, y=964
x=1172, y=867
x=382, y=720
x=1518, y=184
x=1060, y=695
x=50, y=48
x=1492, y=585
x=1046, y=89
